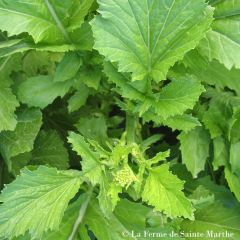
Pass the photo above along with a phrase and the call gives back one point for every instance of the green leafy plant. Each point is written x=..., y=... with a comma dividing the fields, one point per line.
x=119, y=119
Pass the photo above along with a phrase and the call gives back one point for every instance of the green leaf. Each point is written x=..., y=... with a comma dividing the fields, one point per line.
x=163, y=190
x=8, y=100
x=212, y=73
x=220, y=151
x=68, y=67
x=83, y=40
x=67, y=223
x=177, y=97
x=185, y=122
x=213, y=221
x=234, y=157
x=174, y=99
x=94, y=128
x=216, y=118
x=78, y=99
x=22, y=138
x=195, y=149
x=41, y=91
x=49, y=149
x=223, y=41
x=45, y=21
x=90, y=76
x=113, y=193
x=151, y=46
x=233, y=182
x=8, y=106
x=36, y=201
x=91, y=167
x=100, y=225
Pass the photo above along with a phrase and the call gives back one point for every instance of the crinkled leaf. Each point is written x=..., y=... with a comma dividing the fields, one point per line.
x=41, y=196
x=163, y=190
x=159, y=33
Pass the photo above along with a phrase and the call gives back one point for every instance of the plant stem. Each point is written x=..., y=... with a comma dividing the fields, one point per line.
x=131, y=124
x=81, y=214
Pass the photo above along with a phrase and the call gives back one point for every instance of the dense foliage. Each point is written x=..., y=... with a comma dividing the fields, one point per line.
x=119, y=119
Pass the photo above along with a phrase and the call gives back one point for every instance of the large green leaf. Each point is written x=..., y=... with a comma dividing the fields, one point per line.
x=195, y=149
x=41, y=90
x=163, y=190
x=45, y=21
x=214, y=221
x=147, y=37
x=49, y=149
x=21, y=140
x=41, y=196
x=223, y=41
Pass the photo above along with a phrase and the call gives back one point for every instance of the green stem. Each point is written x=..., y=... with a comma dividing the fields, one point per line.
x=81, y=214
x=131, y=125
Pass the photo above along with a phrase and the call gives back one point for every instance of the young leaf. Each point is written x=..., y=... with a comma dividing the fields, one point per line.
x=22, y=138
x=49, y=149
x=91, y=167
x=41, y=91
x=36, y=201
x=195, y=149
x=163, y=190
x=147, y=37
